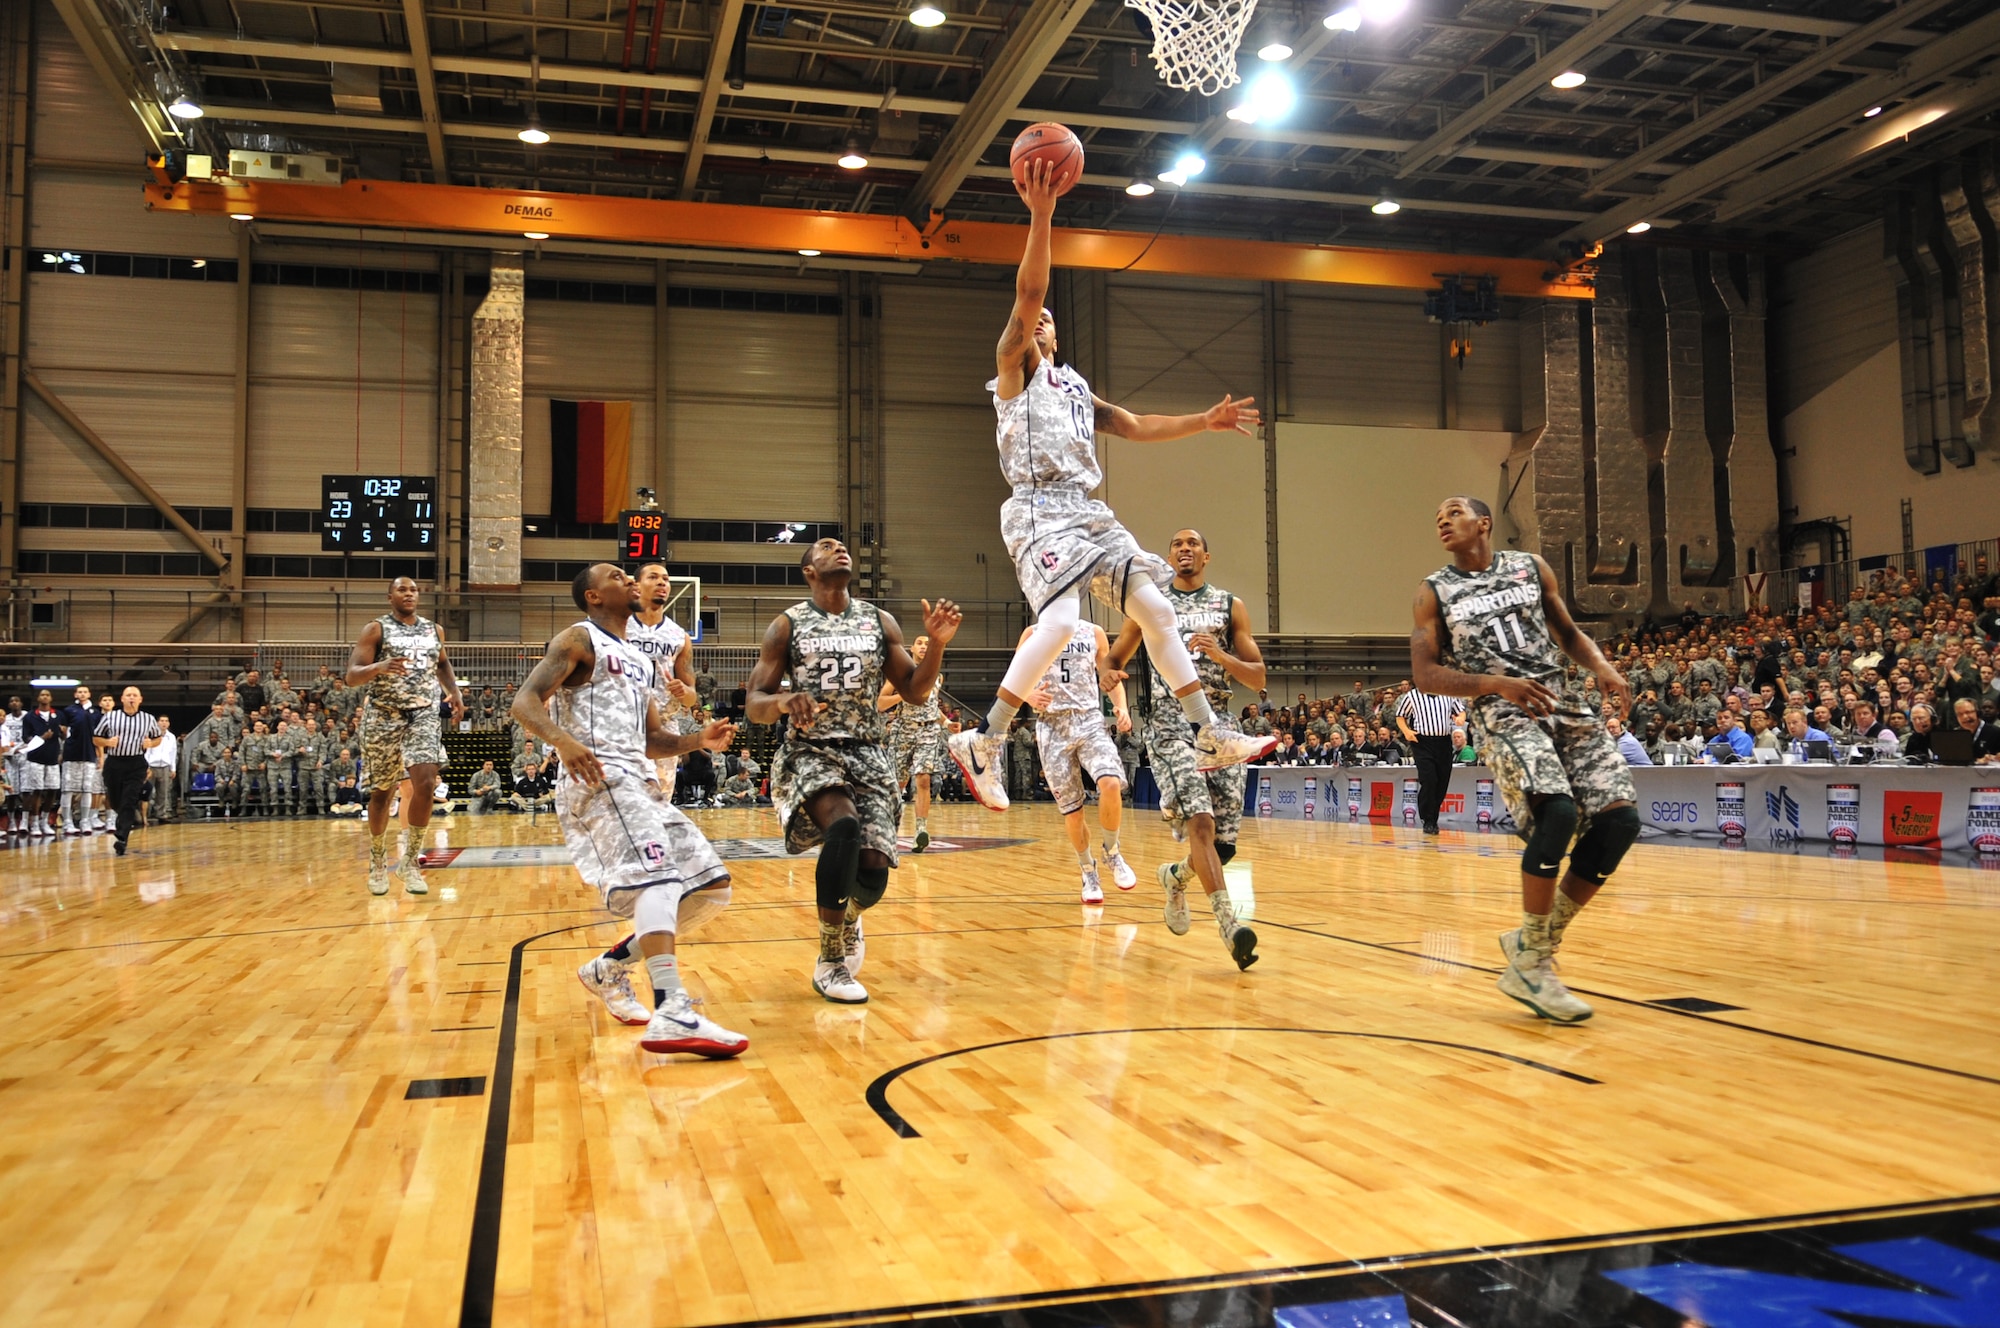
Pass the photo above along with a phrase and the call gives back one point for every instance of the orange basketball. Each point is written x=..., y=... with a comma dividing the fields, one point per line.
x=1054, y=144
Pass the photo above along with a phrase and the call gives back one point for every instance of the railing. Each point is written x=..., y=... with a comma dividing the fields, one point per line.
x=1839, y=580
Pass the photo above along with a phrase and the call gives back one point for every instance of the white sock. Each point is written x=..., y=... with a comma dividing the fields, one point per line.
x=665, y=971
x=1083, y=859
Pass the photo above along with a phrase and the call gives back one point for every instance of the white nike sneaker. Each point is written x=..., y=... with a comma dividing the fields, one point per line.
x=412, y=875
x=1530, y=979
x=853, y=941
x=608, y=981
x=832, y=980
x=1093, y=893
x=1122, y=874
x=378, y=877
x=678, y=1026
x=982, y=757
x=1177, y=908
x=1217, y=747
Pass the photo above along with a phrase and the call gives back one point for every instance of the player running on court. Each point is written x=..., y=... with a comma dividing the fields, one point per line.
x=1490, y=627
x=1205, y=806
x=916, y=736
x=401, y=658
x=624, y=833
x=1073, y=743
x=1060, y=538
x=833, y=782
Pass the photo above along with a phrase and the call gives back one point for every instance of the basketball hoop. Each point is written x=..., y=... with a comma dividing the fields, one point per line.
x=1195, y=41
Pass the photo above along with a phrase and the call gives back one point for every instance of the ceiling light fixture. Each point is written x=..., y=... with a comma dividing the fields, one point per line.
x=1871, y=112
x=1568, y=79
x=534, y=135
x=243, y=216
x=808, y=253
x=1639, y=228
x=1274, y=51
x=1270, y=96
x=1386, y=206
x=1139, y=188
x=534, y=235
x=184, y=108
x=852, y=159
x=926, y=15
x=1343, y=20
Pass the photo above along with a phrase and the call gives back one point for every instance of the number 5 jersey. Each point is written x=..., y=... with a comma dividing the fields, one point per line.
x=836, y=658
x=1494, y=623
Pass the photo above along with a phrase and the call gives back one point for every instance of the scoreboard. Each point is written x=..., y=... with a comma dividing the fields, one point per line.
x=642, y=538
x=378, y=514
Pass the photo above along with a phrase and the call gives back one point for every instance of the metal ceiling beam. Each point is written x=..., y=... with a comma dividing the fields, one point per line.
x=729, y=15
x=1920, y=69
x=416, y=27
x=417, y=208
x=1043, y=30
x=1760, y=20
x=1525, y=84
x=1782, y=81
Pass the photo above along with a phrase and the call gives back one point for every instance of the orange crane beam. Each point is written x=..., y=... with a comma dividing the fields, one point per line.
x=460, y=209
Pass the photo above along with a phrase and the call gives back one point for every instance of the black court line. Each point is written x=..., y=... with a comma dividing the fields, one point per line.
x=1798, y=1038
x=878, y=1092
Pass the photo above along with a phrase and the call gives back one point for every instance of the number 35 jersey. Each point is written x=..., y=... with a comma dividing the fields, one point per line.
x=836, y=658
x=1494, y=622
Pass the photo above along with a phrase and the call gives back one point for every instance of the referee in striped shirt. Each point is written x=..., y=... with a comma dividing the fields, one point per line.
x=123, y=737
x=1426, y=722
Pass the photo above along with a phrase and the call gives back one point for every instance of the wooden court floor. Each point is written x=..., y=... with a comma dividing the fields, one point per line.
x=205, y=1110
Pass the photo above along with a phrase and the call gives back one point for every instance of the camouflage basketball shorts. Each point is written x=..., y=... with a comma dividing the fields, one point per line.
x=865, y=769
x=625, y=836
x=1073, y=744
x=1059, y=538
x=918, y=748
x=394, y=740
x=1186, y=791
x=1569, y=753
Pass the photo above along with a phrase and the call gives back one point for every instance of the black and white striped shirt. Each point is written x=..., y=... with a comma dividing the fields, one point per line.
x=132, y=732
x=1429, y=715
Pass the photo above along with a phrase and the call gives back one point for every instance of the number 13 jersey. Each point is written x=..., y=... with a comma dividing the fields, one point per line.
x=1494, y=622
x=836, y=658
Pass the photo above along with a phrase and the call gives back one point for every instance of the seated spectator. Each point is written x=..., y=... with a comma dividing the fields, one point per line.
x=534, y=789
x=485, y=792
x=1917, y=743
x=695, y=784
x=1763, y=734
x=1799, y=731
x=1286, y=752
x=1729, y=740
x=1462, y=748
x=1985, y=733
x=1629, y=747
x=738, y=791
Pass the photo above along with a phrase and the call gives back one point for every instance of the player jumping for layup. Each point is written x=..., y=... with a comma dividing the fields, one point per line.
x=1489, y=627
x=1061, y=538
x=625, y=835
x=834, y=780
x=1073, y=741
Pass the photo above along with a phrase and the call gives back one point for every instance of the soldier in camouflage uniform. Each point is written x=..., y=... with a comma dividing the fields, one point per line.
x=1205, y=806
x=312, y=760
x=1487, y=628
x=833, y=781
x=229, y=782
x=254, y=753
x=283, y=756
x=916, y=737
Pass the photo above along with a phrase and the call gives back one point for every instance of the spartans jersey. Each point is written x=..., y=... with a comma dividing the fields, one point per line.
x=1203, y=610
x=836, y=658
x=416, y=688
x=1072, y=679
x=1494, y=621
x=607, y=714
x=662, y=644
x=1048, y=434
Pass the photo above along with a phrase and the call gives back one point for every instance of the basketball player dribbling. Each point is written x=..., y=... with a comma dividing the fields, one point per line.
x=1072, y=741
x=624, y=833
x=833, y=782
x=1062, y=539
x=1492, y=626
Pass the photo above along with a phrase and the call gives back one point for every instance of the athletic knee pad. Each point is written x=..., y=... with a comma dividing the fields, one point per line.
x=833, y=879
x=1612, y=831
x=1549, y=833
x=1225, y=852
x=701, y=906
x=657, y=910
x=870, y=884
x=1145, y=605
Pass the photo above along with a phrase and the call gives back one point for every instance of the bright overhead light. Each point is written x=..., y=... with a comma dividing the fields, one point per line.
x=926, y=15
x=1274, y=51
x=1139, y=188
x=1871, y=112
x=54, y=680
x=1269, y=96
x=534, y=235
x=183, y=108
x=1386, y=206
x=852, y=158
x=1568, y=79
x=534, y=134
x=1383, y=11
x=808, y=253
x=1190, y=164
x=1344, y=20
x=1639, y=228
x=243, y=216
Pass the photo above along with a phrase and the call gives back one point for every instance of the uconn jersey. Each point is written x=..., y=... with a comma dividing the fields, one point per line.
x=1048, y=433
x=662, y=644
x=607, y=714
x=1072, y=679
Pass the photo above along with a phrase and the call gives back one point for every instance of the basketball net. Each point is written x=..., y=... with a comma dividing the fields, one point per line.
x=1195, y=41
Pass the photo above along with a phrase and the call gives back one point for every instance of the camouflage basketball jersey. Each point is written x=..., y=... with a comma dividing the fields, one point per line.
x=417, y=686
x=836, y=658
x=914, y=714
x=1203, y=610
x=662, y=643
x=607, y=713
x=1495, y=623
x=1072, y=679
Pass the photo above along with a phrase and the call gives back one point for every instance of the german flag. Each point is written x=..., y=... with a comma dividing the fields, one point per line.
x=590, y=462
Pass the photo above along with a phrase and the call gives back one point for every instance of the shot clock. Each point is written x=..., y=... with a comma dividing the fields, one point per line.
x=378, y=514
x=642, y=538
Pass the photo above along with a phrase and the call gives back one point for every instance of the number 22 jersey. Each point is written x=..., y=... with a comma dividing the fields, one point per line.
x=1494, y=622
x=836, y=658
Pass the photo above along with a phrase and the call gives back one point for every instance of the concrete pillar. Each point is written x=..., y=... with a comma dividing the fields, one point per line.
x=493, y=477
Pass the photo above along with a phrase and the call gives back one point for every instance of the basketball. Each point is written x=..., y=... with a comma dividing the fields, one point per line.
x=1054, y=144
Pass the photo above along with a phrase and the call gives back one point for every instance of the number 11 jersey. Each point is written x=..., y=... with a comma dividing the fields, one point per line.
x=1494, y=622
x=836, y=658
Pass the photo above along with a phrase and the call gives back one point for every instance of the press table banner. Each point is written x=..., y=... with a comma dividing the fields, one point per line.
x=1953, y=808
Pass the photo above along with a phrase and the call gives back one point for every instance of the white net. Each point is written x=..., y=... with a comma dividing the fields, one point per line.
x=1195, y=41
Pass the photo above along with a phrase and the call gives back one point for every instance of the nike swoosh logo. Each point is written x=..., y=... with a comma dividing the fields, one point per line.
x=689, y=1027
x=977, y=769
